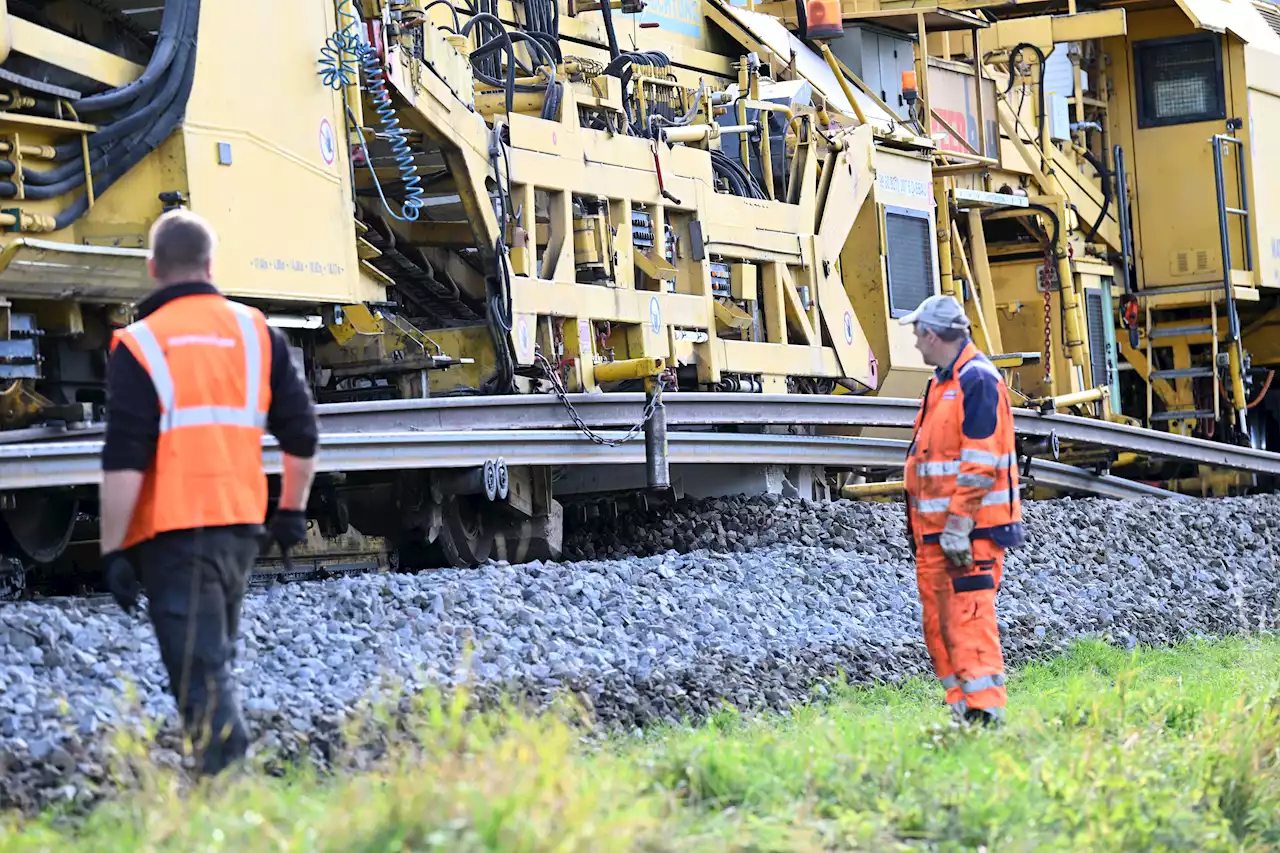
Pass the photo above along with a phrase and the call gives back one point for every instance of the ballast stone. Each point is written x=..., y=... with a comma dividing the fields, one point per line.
x=667, y=634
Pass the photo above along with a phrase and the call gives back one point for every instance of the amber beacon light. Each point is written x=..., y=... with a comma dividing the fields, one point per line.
x=823, y=19
x=909, y=90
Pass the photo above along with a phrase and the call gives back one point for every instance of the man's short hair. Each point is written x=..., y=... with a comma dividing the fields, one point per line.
x=948, y=335
x=182, y=244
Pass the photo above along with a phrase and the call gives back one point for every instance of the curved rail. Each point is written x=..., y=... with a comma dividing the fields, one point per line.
x=73, y=463
x=689, y=409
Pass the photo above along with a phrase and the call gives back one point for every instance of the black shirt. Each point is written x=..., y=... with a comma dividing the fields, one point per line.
x=133, y=410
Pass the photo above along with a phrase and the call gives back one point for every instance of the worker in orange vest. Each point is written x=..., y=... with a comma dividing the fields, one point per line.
x=963, y=508
x=192, y=385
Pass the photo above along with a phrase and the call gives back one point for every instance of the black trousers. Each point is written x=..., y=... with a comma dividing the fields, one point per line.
x=195, y=582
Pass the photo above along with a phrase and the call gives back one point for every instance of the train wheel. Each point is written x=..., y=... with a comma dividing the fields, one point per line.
x=41, y=525
x=465, y=538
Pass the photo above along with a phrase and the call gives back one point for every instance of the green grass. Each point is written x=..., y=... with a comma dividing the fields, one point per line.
x=1168, y=749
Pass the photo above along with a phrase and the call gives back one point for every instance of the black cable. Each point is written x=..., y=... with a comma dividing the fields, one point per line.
x=480, y=60
x=111, y=163
x=69, y=175
x=1013, y=59
x=1105, y=175
x=448, y=4
x=147, y=105
x=175, y=15
x=168, y=122
x=606, y=9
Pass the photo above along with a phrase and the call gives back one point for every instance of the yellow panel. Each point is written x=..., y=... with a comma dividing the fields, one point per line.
x=851, y=182
x=903, y=180
x=1182, y=249
x=282, y=207
x=70, y=53
x=1022, y=324
x=536, y=296
x=1264, y=201
x=778, y=359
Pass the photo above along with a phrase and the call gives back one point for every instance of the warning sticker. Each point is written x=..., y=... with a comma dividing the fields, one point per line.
x=328, y=142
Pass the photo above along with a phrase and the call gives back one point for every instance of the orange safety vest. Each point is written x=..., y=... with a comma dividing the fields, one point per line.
x=210, y=361
x=950, y=473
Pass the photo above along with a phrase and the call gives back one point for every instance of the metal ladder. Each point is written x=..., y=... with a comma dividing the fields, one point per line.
x=1234, y=344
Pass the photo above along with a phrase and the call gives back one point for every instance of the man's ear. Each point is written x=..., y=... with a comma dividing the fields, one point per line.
x=151, y=267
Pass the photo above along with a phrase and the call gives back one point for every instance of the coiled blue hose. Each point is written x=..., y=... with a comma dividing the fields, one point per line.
x=338, y=72
x=412, y=201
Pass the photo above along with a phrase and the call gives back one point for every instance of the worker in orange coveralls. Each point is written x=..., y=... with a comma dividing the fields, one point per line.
x=963, y=509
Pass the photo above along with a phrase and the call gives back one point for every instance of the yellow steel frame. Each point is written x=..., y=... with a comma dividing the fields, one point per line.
x=795, y=245
x=22, y=36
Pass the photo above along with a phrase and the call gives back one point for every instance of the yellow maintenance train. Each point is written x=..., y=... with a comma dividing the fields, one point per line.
x=452, y=199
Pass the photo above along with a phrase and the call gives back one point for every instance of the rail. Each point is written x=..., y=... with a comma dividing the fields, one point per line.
x=76, y=463
x=538, y=411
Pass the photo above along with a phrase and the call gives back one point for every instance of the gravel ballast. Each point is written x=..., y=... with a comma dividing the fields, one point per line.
x=652, y=616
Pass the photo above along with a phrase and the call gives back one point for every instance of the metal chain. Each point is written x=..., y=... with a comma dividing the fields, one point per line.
x=1045, y=274
x=554, y=378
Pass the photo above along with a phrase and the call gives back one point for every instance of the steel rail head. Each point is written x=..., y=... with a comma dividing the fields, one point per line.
x=73, y=463
x=707, y=409
x=539, y=411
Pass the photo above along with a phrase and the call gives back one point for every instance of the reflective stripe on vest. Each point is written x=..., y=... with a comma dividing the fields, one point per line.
x=158, y=366
x=997, y=498
x=980, y=457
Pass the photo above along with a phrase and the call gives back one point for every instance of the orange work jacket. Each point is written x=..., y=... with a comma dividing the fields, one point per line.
x=210, y=361
x=964, y=461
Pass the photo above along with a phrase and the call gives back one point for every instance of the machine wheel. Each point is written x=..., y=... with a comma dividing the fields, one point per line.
x=41, y=525
x=504, y=480
x=465, y=539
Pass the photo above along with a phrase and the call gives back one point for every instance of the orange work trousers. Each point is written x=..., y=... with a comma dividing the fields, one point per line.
x=960, y=628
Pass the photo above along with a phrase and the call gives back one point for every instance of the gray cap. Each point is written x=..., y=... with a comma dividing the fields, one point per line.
x=938, y=312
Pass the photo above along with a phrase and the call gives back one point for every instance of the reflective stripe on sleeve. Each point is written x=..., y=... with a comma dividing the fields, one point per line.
x=997, y=498
x=978, y=457
x=975, y=481
x=937, y=469
x=934, y=505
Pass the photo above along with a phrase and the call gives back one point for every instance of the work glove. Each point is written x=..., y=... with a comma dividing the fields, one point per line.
x=121, y=580
x=955, y=540
x=288, y=529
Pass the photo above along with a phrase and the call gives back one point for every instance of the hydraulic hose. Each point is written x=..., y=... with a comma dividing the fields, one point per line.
x=176, y=14
x=1105, y=174
x=507, y=40
x=479, y=57
x=146, y=104
x=606, y=9
x=1013, y=58
x=69, y=175
x=136, y=149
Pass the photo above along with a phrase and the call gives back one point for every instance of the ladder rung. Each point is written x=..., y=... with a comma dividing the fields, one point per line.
x=1182, y=373
x=1182, y=414
x=1177, y=331
x=1238, y=211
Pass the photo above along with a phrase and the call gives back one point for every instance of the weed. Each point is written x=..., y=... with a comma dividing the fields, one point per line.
x=1106, y=749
